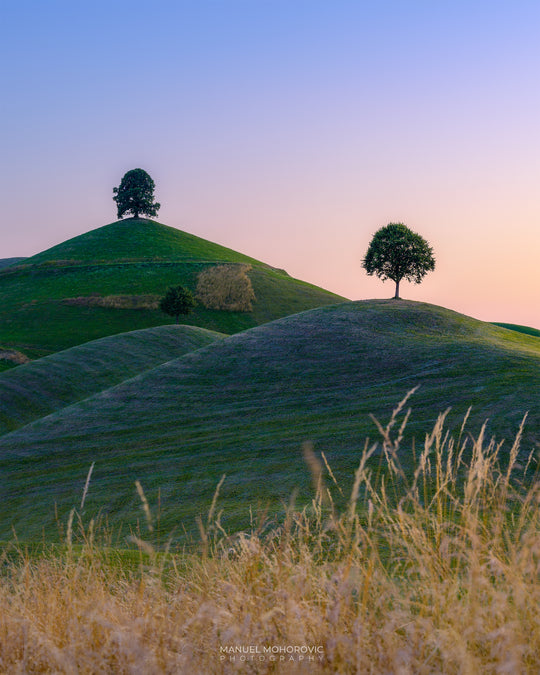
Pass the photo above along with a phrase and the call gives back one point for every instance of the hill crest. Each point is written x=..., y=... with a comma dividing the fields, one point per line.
x=134, y=240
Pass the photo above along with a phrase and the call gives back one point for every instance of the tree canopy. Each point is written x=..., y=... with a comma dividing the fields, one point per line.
x=136, y=195
x=397, y=253
x=177, y=300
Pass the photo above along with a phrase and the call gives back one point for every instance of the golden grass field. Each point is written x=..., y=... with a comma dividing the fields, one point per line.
x=435, y=572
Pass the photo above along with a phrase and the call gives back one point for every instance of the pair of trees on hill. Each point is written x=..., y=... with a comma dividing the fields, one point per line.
x=395, y=252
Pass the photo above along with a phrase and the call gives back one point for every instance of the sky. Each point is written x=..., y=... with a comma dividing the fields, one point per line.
x=288, y=130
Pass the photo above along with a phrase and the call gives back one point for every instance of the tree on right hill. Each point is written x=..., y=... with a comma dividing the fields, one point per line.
x=397, y=253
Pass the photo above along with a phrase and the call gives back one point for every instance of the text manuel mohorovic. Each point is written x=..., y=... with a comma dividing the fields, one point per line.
x=271, y=652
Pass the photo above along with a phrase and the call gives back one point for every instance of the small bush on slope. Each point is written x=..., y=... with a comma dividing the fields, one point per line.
x=435, y=574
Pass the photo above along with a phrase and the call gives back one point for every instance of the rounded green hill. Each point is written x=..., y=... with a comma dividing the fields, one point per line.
x=53, y=382
x=244, y=406
x=109, y=281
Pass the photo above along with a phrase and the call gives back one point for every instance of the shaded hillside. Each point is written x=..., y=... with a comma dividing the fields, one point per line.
x=110, y=280
x=6, y=262
x=244, y=405
x=46, y=385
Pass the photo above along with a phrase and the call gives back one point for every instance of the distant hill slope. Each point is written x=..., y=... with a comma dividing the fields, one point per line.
x=520, y=329
x=109, y=281
x=244, y=405
x=46, y=385
x=6, y=262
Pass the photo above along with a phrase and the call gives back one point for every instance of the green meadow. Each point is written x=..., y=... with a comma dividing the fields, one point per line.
x=44, y=386
x=521, y=329
x=358, y=477
x=245, y=405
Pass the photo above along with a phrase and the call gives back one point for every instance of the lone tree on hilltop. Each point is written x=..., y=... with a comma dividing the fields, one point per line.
x=136, y=194
x=397, y=253
x=177, y=300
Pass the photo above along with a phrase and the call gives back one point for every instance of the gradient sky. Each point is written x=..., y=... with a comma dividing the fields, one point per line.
x=289, y=130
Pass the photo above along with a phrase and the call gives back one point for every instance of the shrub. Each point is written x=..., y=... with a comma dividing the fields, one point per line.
x=176, y=301
x=226, y=287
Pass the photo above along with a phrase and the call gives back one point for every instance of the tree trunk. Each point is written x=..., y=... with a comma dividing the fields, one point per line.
x=396, y=296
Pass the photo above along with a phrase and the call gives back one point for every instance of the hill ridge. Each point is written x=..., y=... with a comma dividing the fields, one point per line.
x=476, y=332
x=40, y=388
x=245, y=405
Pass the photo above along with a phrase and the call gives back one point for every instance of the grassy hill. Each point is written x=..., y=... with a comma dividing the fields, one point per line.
x=243, y=406
x=6, y=262
x=520, y=329
x=109, y=281
x=46, y=385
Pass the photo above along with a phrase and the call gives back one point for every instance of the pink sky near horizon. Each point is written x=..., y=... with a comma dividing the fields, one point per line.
x=288, y=131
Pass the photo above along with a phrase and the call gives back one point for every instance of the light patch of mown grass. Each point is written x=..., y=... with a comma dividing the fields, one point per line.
x=431, y=572
x=115, y=301
x=226, y=287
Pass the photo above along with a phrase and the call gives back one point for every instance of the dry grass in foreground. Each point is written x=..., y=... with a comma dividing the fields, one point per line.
x=432, y=573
